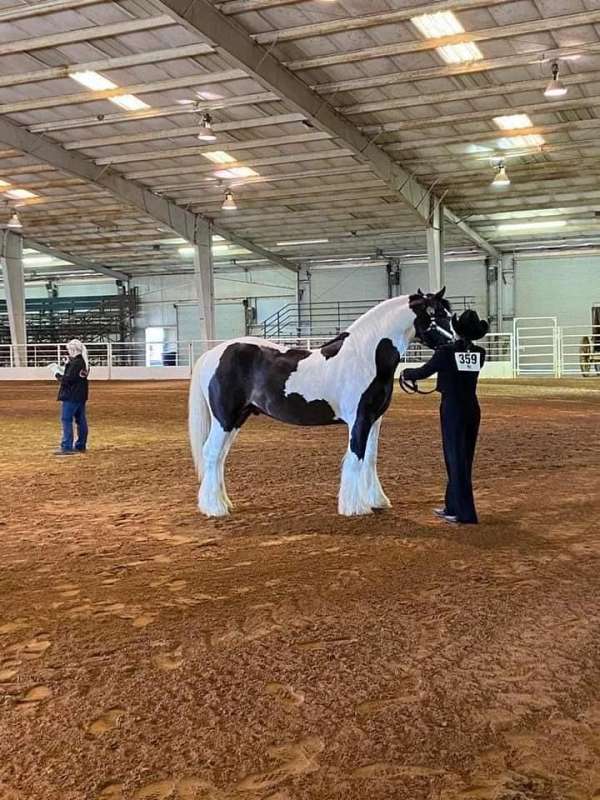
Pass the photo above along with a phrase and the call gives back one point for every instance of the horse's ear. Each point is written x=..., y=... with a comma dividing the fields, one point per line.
x=441, y=293
x=420, y=293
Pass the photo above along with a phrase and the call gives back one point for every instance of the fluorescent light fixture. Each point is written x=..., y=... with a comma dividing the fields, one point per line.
x=209, y=96
x=20, y=194
x=129, y=102
x=530, y=140
x=441, y=23
x=556, y=87
x=446, y=23
x=512, y=122
x=217, y=238
x=4, y=185
x=236, y=172
x=186, y=252
x=92, y=80
x=520, y=226
x=229, y=203
x=460, y=53
x=219, y=157
x=98, y=83
x=302, y=241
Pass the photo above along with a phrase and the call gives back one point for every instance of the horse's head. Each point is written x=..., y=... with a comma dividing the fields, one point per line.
x=433, y=318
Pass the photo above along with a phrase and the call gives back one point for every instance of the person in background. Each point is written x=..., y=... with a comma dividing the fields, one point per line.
x=73, y=395
x=458, y=365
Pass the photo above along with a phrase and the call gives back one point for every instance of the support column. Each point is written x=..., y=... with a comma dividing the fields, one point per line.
x=505, y=267
x=204, y=280
x=435, y=246
x=14, y=286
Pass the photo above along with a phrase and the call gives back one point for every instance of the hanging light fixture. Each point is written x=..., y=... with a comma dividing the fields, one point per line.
x=556, y=87
x=501, y=179
x=14, y=223
x=205, y=131
x=229, y=202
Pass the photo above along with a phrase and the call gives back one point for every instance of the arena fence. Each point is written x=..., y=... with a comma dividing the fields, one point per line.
x=134, y=361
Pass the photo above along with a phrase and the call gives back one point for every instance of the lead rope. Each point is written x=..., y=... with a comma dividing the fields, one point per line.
x=410, y=387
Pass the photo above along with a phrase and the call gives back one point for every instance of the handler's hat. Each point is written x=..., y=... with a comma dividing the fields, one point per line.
x=469, y=326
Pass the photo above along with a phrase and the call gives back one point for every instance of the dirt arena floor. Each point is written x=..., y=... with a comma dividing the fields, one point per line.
x=148, y=653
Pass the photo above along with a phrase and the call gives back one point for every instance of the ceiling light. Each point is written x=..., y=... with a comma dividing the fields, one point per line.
x=302, y=241
x=513, y=122
x=205, y=131
x=92, y=80
x=20, y=194
x=98, y=83
x=446, y=23
x=209, y=96
x=556, y=87
x=229, y=202
x=236, y=172
x=441, y=23
x=530, y=140
x=14, y=223
x=219, y=157
x=4, y=185
x=501, y=179
x=129, y=102
x=517, y=226
x=187, y=252
x=460, y=53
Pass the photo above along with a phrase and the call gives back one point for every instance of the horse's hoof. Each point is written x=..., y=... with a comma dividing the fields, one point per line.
x=214, y=511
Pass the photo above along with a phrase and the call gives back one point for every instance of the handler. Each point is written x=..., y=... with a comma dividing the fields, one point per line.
x=458, y=365
x=73, y=394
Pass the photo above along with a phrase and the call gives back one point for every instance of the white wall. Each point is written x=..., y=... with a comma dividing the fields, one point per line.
x=559, y=287
x=370, y=283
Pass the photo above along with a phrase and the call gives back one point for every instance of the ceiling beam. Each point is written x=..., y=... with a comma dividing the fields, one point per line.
x=47, y=7
x=498, y=89
x=134, y=194
x=76, y=98
x=152, y=113
x=423, y=45
x=77, y=260
x=105, y=64
x=175, y=133
x=202, y=17
x=85, y=34
x=451, y=70
x=232, y=147
x=269, y=161
x=329, y=27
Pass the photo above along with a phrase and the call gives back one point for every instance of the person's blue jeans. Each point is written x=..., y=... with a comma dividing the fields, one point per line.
x=73, y=412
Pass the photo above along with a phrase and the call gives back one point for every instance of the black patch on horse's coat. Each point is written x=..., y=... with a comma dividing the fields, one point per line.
x=332, y=348
x=376, y=398
x=251, y=379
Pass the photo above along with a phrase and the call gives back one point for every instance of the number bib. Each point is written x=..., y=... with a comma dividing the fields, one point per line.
x=468, y=362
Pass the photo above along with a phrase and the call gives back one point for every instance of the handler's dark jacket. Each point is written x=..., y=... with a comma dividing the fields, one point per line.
x=74, y=382
x=450, y=380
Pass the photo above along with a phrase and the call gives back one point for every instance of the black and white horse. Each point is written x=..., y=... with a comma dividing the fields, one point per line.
x=349, y=380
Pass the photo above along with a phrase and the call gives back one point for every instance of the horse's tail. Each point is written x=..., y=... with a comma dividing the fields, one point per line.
x=198, y=416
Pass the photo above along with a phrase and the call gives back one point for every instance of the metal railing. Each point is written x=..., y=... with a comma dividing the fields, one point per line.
x=138, y=356
x=326, y=318
x=579, y=348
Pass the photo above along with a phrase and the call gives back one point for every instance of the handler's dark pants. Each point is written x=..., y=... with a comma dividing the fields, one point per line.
x=460, y=426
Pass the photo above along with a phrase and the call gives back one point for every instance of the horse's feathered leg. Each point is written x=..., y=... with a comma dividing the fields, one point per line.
x=373, y=491
x=212, y=497
x=351, y=500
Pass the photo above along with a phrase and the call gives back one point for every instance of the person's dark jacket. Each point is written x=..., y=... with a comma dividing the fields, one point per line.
x=74, y=381
x=450, y=380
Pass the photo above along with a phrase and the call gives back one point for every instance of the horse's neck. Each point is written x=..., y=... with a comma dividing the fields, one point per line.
x=391, y=319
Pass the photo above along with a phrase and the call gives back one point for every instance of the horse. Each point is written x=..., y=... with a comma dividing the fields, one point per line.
x=348, y=380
